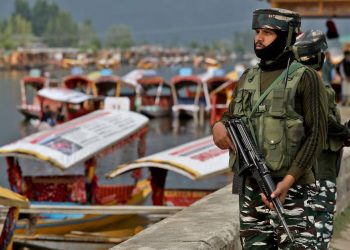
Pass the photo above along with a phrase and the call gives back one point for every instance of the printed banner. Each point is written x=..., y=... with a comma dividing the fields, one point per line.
x=79, y=139
x=197, y=159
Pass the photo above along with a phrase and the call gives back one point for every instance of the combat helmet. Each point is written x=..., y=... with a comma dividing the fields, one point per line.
x=309, y=48
x=277, y=19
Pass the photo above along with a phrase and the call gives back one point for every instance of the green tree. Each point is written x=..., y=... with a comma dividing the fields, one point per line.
x=119, y=36
x=14, y=32
x=22, y=9
x=42, y=13
x=87, y=36
x=61, y=31
x=21, y=30
x=194, y=45
x=243, y=42
x=6, y=40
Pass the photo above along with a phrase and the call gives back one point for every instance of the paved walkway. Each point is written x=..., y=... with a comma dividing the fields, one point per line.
x=343, y=241
x=345, y=113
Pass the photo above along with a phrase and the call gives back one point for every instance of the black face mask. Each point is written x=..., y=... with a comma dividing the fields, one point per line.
x=275, y=49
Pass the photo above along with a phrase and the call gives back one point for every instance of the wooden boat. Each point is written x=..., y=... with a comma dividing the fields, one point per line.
x=148, y=63
x=190, y=95
x=30, y=85
x=204, y=165
x=79, y=148
x=220, y=91
x=105, y=84
x=68, y=104
x=155, y=95
x=220, y=88
x=14, y=202
x=132, y=79
x=77, y=81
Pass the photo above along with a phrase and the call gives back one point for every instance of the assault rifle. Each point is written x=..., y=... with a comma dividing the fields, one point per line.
x=253, y=161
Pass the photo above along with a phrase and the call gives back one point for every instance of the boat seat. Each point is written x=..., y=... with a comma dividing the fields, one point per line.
x=65, y=188
x=112, y=195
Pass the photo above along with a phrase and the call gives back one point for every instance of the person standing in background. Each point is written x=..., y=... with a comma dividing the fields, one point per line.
x=344, y=70
x=310, y=49
x=327, y=68
x=332, y=31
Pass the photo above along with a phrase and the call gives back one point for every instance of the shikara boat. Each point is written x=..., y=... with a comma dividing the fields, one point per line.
x=106, y=84
x=204, y=165
x=77, y=81
x=59, y=169
x=148, y=63
x=67, y=103
x=30, y=85
x=220, y=98
x=190, y=94
x=155, y=95
x=220, y=88
x=132, y=79
x=13, y=202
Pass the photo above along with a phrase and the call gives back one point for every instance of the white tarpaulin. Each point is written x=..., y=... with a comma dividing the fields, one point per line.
x=64, y=95
x=195, y=160
x=137, y=74
x=77, y=140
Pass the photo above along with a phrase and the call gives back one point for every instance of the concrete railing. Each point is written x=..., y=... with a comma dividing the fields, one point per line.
x=343, y=182
x=213, y=222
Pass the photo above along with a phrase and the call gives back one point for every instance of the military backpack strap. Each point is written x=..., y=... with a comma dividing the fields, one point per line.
x=260, y=100
x=279, y=94
x=278, y=107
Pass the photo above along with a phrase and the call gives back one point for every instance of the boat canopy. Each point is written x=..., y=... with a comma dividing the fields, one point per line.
x=107, y=79
x=151, y=80
x=185, y=80
x=37, y=82
x=195, y=160
x=210, y=73
x=12, y=199
x=64, y=95
x=72, y=81
x=80, y=139
x=133, y=76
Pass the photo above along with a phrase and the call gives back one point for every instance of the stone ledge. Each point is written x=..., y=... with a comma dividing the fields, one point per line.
x=213, y=222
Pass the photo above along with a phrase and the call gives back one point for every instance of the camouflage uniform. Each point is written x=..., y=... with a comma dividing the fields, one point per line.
x=309, y=49
x=324, y=212
x=260, y=227
x=326, y=197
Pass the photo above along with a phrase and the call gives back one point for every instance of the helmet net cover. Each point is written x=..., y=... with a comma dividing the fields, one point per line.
x=309, y=44
x=276, y=19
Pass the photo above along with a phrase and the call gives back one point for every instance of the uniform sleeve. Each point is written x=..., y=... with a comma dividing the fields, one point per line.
x=312, y=95
x=337, y=129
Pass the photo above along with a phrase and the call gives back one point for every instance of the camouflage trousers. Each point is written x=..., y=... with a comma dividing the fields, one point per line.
x=325, y=208
x=260, y=227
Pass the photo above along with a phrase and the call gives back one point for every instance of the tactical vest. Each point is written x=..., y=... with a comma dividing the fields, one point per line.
x=277, y=129
x=333, y=143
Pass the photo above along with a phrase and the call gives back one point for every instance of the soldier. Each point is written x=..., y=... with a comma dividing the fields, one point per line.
x=281, y=102
x=310, y=50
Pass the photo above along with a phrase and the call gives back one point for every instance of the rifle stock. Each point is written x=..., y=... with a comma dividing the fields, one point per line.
x=253, y=161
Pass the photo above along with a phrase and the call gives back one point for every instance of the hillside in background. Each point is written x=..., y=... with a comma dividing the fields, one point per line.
x=169, y=20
